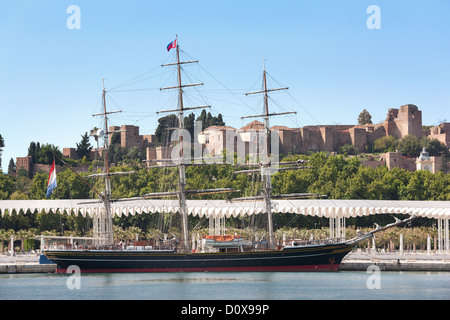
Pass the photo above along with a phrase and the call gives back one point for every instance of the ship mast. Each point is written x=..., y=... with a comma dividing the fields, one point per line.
x=102, y=220
x=266, y=163
x=181, y=165
x=104, y=224
x=182, y=168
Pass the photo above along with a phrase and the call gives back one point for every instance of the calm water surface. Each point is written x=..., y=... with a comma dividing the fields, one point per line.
x=229, y=286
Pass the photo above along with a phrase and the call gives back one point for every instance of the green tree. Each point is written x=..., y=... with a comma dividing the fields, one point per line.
x=202, y=118
x=115, y=151
x=165, y=128
x=11, y=167
x=418, y=186
x=116, y=139
x=439, y=187
x=93, y=133
x=70, y=186
x=134, y=153
x=84, y=147
x=291, y=181
x=445, y=163
x=392, y=181
x=385, y=144
x=43, y=154
x=30, y=241
x=220, y=121
x=208, y=119
x=8, y=235
x=167, y=124
x=364, y=117
x=189, y=125
x=133, y=233
x=49, y=221
x=23, y=182
x=3, y=238
x=21, y=235
x=7, y=186
x=38, y=187
x=410, y=146
x=433, y=146
x=47, y=153
x=18, y=195
x=331, y=175
x=347, y=149
x=33, y=150
x=77, y=225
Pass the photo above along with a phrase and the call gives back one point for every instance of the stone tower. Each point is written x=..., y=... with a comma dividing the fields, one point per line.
x=404, y=121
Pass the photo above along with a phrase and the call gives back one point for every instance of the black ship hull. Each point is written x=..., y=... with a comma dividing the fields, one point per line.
x=325, y=257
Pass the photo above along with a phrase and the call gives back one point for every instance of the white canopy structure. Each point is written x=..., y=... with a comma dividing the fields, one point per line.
x=224, y=208
x=335, y=210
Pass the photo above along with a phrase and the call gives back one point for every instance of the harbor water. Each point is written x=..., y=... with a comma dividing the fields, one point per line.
x=228, y=286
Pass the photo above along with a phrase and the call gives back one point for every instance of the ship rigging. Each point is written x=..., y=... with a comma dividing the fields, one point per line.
x=315, y=257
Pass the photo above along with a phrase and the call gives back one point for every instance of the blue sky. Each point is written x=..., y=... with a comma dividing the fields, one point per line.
x=51, y=76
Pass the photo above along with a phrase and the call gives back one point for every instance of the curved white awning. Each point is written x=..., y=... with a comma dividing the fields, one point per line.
x=224, y=208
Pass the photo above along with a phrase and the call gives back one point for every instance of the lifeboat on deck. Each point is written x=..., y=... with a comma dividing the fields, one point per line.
x=224, y=241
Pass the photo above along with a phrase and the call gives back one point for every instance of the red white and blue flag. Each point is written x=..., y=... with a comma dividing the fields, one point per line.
x=172, y=45
x=51, y=184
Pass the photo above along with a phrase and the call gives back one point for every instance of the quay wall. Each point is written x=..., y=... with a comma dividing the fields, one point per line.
x=429, y=266
x=27, y=268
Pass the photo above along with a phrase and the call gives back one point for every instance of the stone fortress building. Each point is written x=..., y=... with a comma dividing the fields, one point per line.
x=406, y=120
x=399, y=123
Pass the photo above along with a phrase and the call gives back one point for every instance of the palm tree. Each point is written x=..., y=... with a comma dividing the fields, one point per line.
x=93, y=133
x=3, y=237
x=411, y=239
x=22, y=235
x=31, y=233
x=350, y=232
x=415, y=238
x=49, y=233
x=134, y=233
x=433, y=234
x=156, y=234
x=422, y=234
x=119, y=233
x=392, y=236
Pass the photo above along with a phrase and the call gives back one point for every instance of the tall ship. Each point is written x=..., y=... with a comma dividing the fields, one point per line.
x=220, y=252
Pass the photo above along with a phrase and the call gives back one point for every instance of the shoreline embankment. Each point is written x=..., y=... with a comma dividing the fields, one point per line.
x=396, y=261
